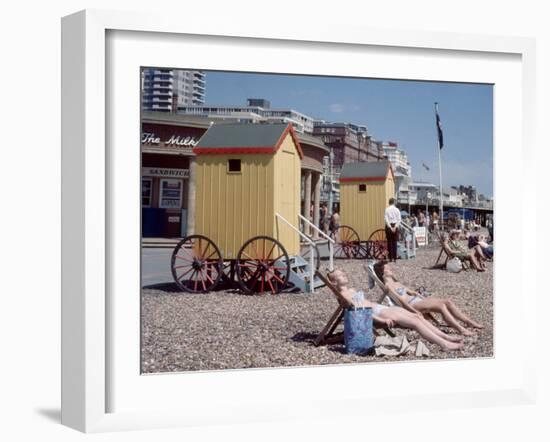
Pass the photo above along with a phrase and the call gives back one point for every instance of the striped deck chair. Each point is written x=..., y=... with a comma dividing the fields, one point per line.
x=392, y=299
x=328, y=335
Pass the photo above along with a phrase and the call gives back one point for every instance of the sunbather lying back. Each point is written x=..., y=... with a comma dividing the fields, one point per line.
x=416, y=302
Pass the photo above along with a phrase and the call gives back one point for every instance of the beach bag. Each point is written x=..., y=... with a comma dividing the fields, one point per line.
x=358, y=332
x=454, y=265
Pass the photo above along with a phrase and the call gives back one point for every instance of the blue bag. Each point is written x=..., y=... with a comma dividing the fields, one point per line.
x=358, y=333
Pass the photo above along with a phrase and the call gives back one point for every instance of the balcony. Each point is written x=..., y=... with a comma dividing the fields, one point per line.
x=163, y=86
x=161, y=107
x=164, y=72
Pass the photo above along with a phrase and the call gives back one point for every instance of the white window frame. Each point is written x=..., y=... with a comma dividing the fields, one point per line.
x=151, y=194
x=163, y=180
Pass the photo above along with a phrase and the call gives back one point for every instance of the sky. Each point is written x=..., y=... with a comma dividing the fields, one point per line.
x=392, y=110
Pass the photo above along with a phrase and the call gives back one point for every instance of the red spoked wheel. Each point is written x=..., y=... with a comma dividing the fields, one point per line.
x=197, y=264
x=262, y=266
x=378, y=245
x=347, y=242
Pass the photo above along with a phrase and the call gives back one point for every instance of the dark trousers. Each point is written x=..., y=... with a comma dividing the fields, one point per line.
x=391, y=237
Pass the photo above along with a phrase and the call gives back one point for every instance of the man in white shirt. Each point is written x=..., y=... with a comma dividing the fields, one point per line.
x=392, y=218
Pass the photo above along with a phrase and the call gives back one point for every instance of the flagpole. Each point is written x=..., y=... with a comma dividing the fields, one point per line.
x=440, y=179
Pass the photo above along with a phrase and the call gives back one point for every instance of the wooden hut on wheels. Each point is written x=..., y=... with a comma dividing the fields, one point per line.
x=246, y=174
x=365, y=188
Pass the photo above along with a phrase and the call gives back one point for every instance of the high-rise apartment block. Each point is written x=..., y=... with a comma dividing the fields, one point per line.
x=163, y=90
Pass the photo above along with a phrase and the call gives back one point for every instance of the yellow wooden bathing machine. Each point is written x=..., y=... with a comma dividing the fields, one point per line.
x=245, y=173
x=365, y=188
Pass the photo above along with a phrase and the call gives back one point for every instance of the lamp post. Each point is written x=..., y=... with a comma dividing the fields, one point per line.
x=330, y=161
x=428, y=196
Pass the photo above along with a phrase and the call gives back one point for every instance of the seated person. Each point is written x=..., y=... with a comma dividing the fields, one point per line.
x=482, y=247
x=415, y=302
x=458, y=250
x=397, y=316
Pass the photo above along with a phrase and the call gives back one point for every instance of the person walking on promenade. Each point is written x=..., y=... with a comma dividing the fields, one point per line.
x=334, y=223
x=392, y=218
x=421, y=218
x=324, y=218
x=435, y=221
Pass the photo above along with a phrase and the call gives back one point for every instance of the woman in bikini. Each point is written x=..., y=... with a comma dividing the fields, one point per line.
x=416, y=303
x=396, y=316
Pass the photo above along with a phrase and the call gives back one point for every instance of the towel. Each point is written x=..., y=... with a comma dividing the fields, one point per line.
x=397, y=346
x=388, y=346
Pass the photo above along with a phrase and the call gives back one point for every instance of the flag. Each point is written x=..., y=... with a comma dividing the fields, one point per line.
x=439, y=129
x=425, y=167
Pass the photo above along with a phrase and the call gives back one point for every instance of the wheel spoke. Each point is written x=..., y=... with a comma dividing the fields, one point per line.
x=278, y=278
x=209, y=278
x=202, y=281
x=205, y=250
x=271, y=251
x=211, y=255
x=249, y=257
x=181, y=276
x=200, y=248
x=271, y=285
x=180, y=267
x=262, y=281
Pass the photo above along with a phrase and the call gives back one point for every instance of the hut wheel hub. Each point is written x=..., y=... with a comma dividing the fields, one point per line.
x=197, y=264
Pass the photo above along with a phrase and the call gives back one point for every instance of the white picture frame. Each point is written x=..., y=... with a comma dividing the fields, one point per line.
x=89, y=230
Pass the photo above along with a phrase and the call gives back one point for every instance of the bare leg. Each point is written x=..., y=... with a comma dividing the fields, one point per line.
x=439, y=305
x=409, y=320
x=461, y=316
x=474, y=262
x=452, y=338
x=450, y=319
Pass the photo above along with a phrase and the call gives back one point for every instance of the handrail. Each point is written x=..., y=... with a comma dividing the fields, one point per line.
x=311, y=248
x=410, y=230
x=316, y=228
x=331, y=242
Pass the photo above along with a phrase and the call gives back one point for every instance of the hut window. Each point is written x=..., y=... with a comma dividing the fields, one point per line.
x=233, y=166
x=362, y=187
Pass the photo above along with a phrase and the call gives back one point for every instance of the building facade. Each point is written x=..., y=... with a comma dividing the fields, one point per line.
x=256, y=110
x=398, y=158
x=163, y=90
x=348, y=143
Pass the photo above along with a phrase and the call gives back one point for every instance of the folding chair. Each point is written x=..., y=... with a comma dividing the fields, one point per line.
x=328, y=336
x=449, y=254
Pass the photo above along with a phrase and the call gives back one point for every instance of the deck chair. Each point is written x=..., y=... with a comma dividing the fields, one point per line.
x=328, y=336
x=393, y=300
x=445, y=249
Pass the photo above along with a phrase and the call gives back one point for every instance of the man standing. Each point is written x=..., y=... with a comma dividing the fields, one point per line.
x=392, y=218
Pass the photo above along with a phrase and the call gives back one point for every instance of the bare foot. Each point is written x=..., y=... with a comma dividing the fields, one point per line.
x=467, y=332
x=476, y=325
x=452, y=346
x=454, y=338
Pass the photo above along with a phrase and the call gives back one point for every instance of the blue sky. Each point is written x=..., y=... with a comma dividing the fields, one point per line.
x=401, y=111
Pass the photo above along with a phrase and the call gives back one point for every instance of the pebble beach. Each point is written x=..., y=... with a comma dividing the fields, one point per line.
x=226, y=329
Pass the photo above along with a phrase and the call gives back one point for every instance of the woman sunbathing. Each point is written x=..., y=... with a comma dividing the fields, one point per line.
x=415, y=302
x=396, y=316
